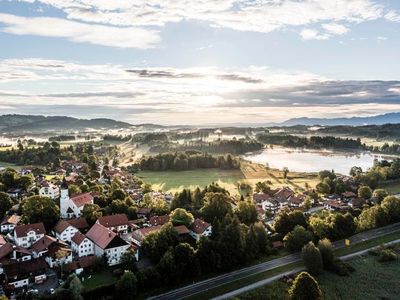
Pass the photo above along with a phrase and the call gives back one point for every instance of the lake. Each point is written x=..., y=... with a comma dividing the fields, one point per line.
x=301, y=160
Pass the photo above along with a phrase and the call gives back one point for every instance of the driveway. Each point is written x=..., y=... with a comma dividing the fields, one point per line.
x=50, y=283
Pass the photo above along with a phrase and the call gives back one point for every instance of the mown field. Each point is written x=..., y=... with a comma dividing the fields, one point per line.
x=371, y=280
x=249, y=173
x=392, y=187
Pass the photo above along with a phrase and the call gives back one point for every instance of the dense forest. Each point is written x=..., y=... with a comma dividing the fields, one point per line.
x=221, y=146
x=188, y=160
x=315, y=142
x=387, y=131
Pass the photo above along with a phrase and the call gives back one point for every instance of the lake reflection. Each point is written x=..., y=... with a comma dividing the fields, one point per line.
x=301, y=160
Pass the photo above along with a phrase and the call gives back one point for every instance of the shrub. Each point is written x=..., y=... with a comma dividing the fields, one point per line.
x=341, y=268
x=305, y=287
x=312, y=258
x=387, y=255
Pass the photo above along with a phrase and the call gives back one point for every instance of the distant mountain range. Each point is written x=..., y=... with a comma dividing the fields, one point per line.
x=43, y=124
x=392, y=118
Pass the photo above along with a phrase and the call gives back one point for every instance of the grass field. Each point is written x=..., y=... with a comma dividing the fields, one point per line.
x=250, y=173
x=371, y=280
x=391, y=187
x=99, y=279
x=8, y=165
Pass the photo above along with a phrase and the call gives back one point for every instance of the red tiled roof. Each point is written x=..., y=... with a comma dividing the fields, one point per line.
x=5, y=250
x=44, y=243
x=349, y=194
x=159, y=220
x=298, y=199
x=13, y=219
x=141, y=233
x=61, y=226
x=2, y=240
x=79, y=223
x=113, y=220
x=25, y=267
x=100, y=235
x=260, y=197
x=78, y=238
x=284, y=193
x=144, y=210
x=199, y=226
x=182, y=229
x=82, y=199
x=277, y=244
x=22, y=230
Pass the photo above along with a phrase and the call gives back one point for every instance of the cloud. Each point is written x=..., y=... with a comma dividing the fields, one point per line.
x=336, y=29
x=121, y=37
x=241, y=15
x=311, y=34
x=184, y=95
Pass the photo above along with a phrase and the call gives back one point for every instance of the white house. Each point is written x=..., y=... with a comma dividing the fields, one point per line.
x=26, y=235
x=64, y=231
x=20, y=274
x=49, y=190
x=55, y=252
x=117, y=223
x=107, y=242
x=81, y=245
x=200, y=228
x=71, y=207
x=9, y=222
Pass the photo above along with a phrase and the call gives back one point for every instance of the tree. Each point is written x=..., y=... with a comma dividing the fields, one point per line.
x=246, y=212
x=286, y=220
x=391, y=206
x=216, y=206
x=364, y=192
x=181, y=216
x=24, y=182
x=379, y=195
x=75, y=287
x=40, y=209
x=312, y=258
x=91, y=212
x=5, y=204
x=128, y=260
x=372, y=217
x=305, y=287
x=126, y=287
x=327, y=254
x=285, y=172
x=297, y=238
x=262, y=187
x=342, y=225
x=323, y=188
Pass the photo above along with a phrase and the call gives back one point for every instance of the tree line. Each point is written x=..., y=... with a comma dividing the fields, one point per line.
x=188, y=160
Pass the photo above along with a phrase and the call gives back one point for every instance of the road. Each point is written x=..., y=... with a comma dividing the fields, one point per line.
x=198, y=287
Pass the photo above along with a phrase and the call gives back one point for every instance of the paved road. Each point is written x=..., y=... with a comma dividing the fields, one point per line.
x=223, y=279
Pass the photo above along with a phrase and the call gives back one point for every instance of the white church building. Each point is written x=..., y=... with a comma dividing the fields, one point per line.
x=71, y=207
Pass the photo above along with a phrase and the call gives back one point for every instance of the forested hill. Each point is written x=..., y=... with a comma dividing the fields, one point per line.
x=37, y=123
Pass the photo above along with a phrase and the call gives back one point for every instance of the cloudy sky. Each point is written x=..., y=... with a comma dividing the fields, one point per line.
x=200, y=61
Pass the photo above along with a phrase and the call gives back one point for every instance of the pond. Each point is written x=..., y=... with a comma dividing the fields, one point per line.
x=301, y=160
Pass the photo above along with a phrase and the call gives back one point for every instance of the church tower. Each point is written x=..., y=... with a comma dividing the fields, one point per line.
x=64, y=199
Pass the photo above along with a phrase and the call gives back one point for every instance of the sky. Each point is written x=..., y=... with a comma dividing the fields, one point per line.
x=200, y=62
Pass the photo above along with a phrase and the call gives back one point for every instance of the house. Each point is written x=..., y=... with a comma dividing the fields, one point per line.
x=117, y=223
x=10, y=253
x=297, y=201
x=182, y=231
x=348, y=195
x=143, y=212
x=81, y=264
x=64, y=231
x=79, y=223
x=334, y=205
x=271, y=205
x=15, y=193
x=139, y=235
x=108, y=243
x=200, y=228
x=81, y=245
x=9, y=222
x=26, y=235
x=54, y=251
x=20, y=274
x=283, y=196
x=259, y=198
x=356, y=203
x=71, y=207
x=159, y=220
x=49, y=190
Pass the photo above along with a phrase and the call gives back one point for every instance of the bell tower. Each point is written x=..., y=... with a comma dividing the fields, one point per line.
x=64, y=199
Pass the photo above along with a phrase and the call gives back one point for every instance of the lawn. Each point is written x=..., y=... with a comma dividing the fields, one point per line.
x=9, y=165
x=250, y=173
x=97, y=280
x=392, y=187
x=177, y=180
x=371, y=280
